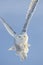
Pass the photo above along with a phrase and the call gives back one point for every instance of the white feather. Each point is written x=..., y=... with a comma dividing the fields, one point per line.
x=29, y=14
x=8, y=28
x=21, y=45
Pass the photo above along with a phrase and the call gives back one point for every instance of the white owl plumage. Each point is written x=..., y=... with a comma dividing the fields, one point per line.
x=21, y=45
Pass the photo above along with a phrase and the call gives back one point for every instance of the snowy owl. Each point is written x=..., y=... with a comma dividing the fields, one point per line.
x=21, y=46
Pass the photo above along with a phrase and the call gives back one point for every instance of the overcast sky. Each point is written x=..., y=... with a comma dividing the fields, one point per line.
x=14, y=12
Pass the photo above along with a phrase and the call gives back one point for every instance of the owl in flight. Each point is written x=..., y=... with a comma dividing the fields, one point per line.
x=21, y=45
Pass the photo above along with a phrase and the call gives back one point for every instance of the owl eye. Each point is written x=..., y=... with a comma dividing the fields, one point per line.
x=24, y=36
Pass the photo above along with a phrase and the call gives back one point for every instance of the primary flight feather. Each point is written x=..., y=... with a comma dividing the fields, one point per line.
x=29, y=13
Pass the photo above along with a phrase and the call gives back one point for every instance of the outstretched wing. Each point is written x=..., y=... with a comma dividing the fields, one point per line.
x=29, y=13
x=8, y=28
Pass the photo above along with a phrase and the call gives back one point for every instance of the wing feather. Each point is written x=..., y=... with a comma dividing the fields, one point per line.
x=8, y=28
x=29, y=13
